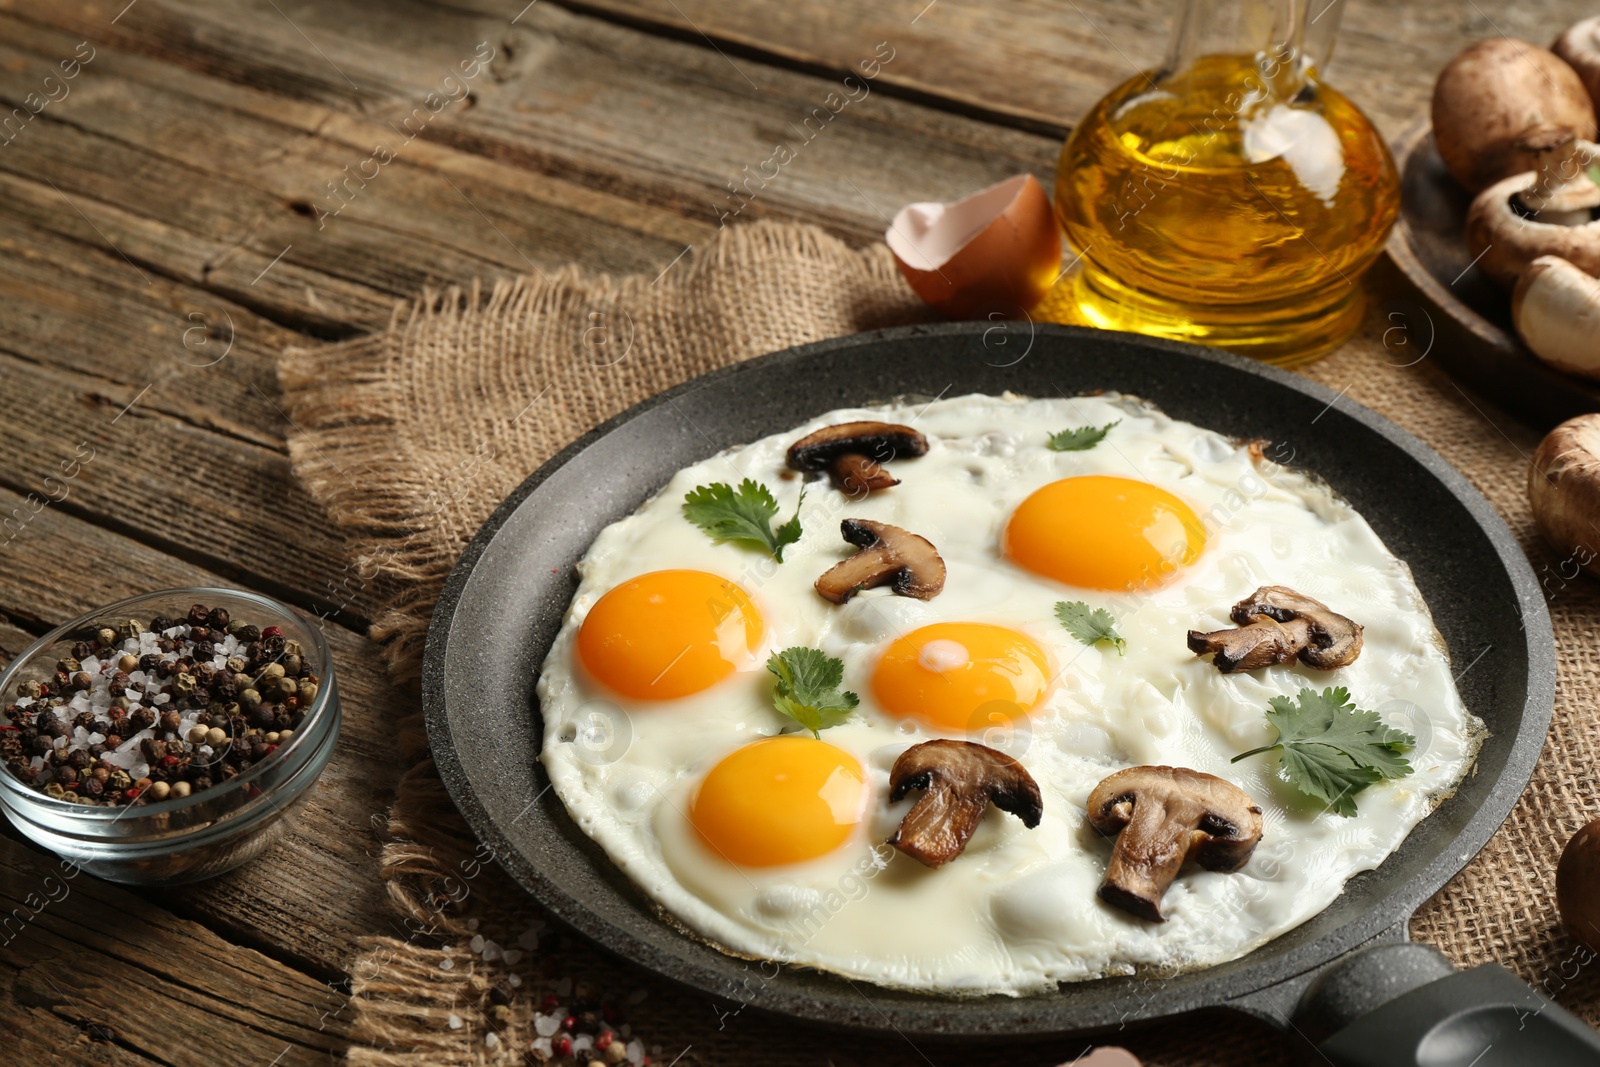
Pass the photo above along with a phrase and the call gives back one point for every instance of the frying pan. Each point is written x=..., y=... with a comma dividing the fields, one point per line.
x=1342, y=977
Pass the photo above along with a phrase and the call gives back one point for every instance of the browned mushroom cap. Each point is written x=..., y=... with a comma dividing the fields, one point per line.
x=888, y=555
x=960, y=780
x=853, y=453
x=1276, y=624
x=1166, y=815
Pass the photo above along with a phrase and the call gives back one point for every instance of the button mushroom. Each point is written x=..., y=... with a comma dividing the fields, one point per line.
x=1564, y=495
x=1496, y=102
x=1556, y=309
x=853, y=453
x=888, y=556
x=1547, y=212
x=1277, y=624
x=1580, y=47
x=1164, y=816
x=959, y=779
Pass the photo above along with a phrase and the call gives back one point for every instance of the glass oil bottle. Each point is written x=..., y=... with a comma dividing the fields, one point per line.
x=1230, y=197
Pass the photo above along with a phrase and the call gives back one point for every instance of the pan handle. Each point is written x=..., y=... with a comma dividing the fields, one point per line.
x=1404, y=1005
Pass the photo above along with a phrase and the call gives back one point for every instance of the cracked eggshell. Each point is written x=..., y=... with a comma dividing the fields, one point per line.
x=996, y=252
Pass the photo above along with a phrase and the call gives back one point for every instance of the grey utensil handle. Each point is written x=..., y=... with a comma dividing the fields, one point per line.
x=1404, y=1006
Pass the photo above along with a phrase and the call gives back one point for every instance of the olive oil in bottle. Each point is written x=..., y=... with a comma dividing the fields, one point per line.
x=1230, y=198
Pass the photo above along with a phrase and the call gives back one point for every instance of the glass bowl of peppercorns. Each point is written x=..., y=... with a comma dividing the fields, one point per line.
x=168, y=737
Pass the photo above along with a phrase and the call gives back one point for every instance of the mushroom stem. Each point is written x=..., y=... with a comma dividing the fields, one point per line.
x=1556, y=310
x=1562, y=194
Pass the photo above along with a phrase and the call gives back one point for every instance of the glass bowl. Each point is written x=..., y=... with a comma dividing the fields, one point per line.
x=179, y=839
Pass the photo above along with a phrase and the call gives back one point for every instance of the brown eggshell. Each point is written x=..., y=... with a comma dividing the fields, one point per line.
x=1578, y=886
x=997, y=252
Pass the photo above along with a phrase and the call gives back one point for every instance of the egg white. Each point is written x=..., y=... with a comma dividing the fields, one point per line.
x=1017, y=911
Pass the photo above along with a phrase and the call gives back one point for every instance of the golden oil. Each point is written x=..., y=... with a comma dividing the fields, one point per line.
x=1235, y=202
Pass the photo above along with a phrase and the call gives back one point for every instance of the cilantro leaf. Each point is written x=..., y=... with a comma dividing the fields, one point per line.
x=1089, y=626
x=1331, y=749
x=808, y=688
x=1079, y=439
x=744, y=516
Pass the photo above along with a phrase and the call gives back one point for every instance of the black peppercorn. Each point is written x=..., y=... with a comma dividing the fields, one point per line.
x=160, y=623
x=171, y=720
x=218, y=619
x=148, y=661
x=198, y=614
x=118, y=685
x=93, y=787
x=70, y=665
x=247, y=633
x=263, y=716
x=66, y=774
x=142, y=718
x=82, y=650
x=271, y=646
x=200, y=697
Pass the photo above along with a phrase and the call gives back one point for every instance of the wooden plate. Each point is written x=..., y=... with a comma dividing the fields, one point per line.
x=1464, y=319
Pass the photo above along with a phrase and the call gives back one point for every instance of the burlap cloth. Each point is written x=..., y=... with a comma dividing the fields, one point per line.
x=412, y=436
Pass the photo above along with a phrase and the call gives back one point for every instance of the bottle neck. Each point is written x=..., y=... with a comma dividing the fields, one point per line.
x=1286, y=40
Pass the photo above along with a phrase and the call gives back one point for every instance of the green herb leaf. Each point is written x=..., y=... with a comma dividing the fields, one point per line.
x=744, y=516
x=1091, y=626
x=1080, y=439
x=1332, y=749
x=808, y=688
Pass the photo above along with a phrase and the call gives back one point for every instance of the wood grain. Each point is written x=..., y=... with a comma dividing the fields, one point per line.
x=311, y=896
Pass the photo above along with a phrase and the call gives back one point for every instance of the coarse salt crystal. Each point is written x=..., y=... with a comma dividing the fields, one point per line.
x=176, y=631
x=546, y=1025
x=477, y=942
x=446, y=965
x=491, y=1039
x=512, y=956
x=97, y=738
x=582, y=1043
x=453, y=1022
x=473, y=924
x=542, y=1046
x=162, y=698
x=491, y=952
x=512, y=980
x=24, y=702
x=139, y=770
x=636, y=1052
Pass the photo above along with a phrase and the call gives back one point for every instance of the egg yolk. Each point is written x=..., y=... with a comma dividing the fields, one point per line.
x=784, y=799
x=962, y=676
x=667, y=634
x=1101, y=532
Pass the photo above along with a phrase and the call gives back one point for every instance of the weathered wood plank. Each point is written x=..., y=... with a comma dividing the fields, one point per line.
x=663, y=123
x=40, y=1037
x=76, y=948
x=319, y=889
x=133, y=133
x=1042, y=64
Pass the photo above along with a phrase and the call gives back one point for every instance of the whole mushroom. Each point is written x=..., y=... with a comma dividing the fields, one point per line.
x=1497, y=102
x=1564, y=490
x=1578, y=886
x=1580, y=47
x=1556, y=310
x=1551, y=211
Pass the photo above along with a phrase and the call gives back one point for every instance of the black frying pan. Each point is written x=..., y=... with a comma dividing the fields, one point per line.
x=503, y=605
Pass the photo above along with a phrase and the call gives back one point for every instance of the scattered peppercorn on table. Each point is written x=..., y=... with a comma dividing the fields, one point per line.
x=191, y=187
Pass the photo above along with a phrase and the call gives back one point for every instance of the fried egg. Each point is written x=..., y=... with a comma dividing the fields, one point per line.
x=661, y=738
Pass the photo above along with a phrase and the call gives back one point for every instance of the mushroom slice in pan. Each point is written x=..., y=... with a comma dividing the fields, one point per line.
x=1164, y=816
x=1276, y=624
x=889, y=555
x=959, y=779
x=853, y=453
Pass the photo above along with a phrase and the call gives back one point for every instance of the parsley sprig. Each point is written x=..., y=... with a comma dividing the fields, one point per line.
x=808, y=688
x=1331, y=749
x=744, y=516
x=1079, y=439
x=1089, y=625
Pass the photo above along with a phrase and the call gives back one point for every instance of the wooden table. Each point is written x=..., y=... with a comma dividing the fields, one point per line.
x=204, y=192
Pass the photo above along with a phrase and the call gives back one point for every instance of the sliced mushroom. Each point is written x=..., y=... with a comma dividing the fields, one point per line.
x=888, y=556
x=959, y=779
x=853, y=453
x=1276, y=624
x=1166, y=815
